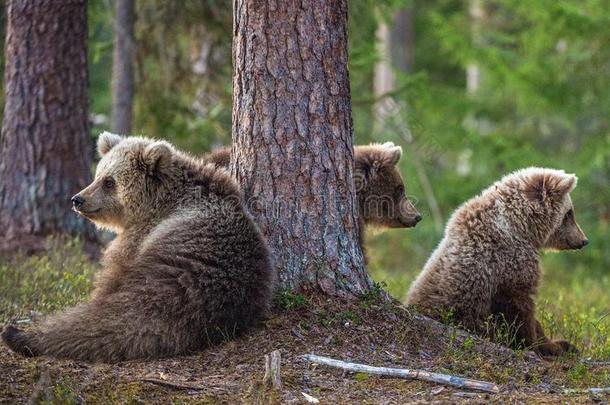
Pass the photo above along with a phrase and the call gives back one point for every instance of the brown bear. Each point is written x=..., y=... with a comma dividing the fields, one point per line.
x=486, y=267
x=187, y=269
x=380, y=188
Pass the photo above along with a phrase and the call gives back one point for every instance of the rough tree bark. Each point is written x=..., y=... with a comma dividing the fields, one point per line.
x=122, y=67
x=292, y=139
x=45, y=151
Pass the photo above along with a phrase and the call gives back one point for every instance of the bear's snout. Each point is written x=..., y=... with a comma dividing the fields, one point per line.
x=583, y=243
x=77, y=201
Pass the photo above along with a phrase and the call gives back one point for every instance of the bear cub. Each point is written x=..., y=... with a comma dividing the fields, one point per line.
x=187, y=269
x=486, y=268
x=379, y=186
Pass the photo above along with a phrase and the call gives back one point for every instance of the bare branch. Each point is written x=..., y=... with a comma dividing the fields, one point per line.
x=446, y=379
x=593, y=390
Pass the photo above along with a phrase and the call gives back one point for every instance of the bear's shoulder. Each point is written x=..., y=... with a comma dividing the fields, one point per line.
x=220, y=157
x=208, y=176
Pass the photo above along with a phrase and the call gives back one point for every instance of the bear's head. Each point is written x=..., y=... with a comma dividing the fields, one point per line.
x=132, y=178
x=381, y=191
x=547, y=195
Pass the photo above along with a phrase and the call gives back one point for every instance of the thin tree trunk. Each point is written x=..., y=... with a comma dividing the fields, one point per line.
x=402, y=40
x=45, y=150
x=473, y=70
x=122, y=67
x=384, y=82
x=292, y=139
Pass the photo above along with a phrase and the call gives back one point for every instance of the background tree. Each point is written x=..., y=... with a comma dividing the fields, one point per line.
x=542, y=99
x=122, y=67
x=402, y=39
x=44, y=147
x=292, y=139
x=183, y=71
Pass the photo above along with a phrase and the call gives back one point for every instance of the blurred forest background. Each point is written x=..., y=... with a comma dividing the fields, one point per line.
x=470, y=89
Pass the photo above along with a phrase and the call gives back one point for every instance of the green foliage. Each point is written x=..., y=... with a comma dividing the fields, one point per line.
x=289, y=300
x=62, y=394
x=373, y=295
x=543, y=100
x=100, y=56
x=59, y=278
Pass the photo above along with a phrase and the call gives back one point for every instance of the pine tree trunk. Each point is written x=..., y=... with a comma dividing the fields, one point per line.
x=45, y=150
x=122, y=67
x=292, y=140
x=402, y=39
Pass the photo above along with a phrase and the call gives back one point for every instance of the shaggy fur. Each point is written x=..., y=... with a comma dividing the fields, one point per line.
x=380, y=188
x=187, y=269
x=382, y=200
x=486, y=267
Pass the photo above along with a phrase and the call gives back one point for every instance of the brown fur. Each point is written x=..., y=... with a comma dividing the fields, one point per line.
x=486, y=267
x=380, y=188
x=187, y=269
x=382, y=198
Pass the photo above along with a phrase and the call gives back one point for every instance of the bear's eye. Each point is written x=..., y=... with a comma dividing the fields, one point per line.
x=569, y=214
x=109, y=184
x=400, y=191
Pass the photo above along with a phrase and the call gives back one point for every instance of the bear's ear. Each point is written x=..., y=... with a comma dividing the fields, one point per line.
x=370, y=159
x=563, y=184
x=107, y=141
x=548, y=185
x=391, y=154
x=157, y=157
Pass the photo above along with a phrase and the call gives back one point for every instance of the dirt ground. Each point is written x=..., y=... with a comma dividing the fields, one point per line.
x=370, y=331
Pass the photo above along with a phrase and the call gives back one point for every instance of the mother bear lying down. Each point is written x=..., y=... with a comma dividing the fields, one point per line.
x=188, y=268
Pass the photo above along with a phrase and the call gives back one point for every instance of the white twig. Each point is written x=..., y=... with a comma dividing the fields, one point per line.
x=595, y=362
x=310, y=399
x=406, y=373
x=594, y=390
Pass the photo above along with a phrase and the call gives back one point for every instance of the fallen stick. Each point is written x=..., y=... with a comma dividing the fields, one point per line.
x=406, y=373
x=172, y=384
x=595, y=362
x=595, y=390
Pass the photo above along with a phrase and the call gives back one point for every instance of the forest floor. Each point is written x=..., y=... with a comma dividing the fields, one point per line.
x=371, y=330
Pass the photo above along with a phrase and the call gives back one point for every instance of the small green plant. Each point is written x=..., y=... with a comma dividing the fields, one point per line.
x=361, y=377
x=579, y=374
x=289, y=300
x=447, y=317
x=468, y=343
x=503, y=332
x=373, y=295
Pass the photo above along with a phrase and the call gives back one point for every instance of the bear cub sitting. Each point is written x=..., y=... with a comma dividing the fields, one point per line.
x=487, y=266
x=187, y=269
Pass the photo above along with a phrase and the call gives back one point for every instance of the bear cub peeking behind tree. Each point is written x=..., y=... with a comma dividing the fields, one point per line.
x=380, y=189
x=187, y=269
x=486, y=267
